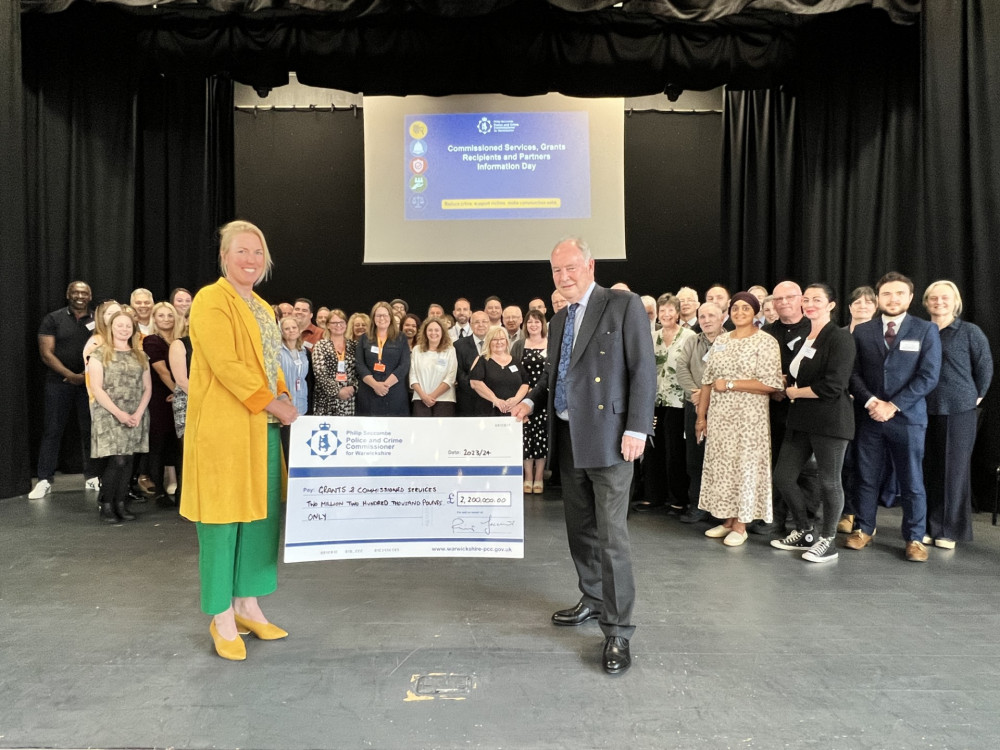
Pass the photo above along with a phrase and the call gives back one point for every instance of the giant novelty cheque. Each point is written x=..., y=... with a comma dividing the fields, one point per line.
x=402, y=487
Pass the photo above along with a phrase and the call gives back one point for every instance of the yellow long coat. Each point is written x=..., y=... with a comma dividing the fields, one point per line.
x=225, y=437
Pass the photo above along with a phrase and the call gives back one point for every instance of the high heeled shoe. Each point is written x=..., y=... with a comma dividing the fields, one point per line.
x=266, y=631
x=234, y=650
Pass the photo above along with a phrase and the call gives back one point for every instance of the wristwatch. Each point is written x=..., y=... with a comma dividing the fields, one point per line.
x=730, y=385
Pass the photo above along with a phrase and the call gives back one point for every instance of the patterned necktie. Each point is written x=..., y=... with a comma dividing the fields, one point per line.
x=565, y=353
x=890, y=334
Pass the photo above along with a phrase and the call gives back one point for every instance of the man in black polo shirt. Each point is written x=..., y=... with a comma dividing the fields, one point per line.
x=61, y=338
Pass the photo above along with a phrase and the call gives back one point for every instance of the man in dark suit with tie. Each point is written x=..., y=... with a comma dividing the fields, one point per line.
x=467, y=349
x=600, y=387
x=898, y=363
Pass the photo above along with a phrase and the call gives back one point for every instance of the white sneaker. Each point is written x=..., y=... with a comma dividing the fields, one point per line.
x=171, y=489
x=94, y=483
x=40, y=490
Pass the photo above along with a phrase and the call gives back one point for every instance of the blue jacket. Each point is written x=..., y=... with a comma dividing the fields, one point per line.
x=904, y=374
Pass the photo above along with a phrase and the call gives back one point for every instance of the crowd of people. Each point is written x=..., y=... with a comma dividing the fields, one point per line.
x=768, y=416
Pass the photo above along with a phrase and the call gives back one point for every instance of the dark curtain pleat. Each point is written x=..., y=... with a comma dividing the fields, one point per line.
x=125, y=179
x=184, y=186
x=17, y=344
x=819, y=180
x=760, y=192
x=961, y=196
x=79, y=147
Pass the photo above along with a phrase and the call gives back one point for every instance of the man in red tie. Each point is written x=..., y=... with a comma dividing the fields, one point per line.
x=898, y=363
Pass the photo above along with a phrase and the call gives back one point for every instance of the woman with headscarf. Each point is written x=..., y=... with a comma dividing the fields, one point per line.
x=743, y=369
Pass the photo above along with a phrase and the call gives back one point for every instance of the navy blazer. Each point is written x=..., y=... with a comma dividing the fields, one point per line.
x=905, y=374
x=828, y=373
x=611, y=381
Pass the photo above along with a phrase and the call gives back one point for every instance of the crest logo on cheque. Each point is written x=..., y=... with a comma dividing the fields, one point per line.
x=323, y=442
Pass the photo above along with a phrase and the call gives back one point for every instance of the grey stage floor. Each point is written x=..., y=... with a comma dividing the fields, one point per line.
x=103, y=645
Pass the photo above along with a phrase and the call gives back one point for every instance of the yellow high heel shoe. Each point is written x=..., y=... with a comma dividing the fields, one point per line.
x=234, y=650
x=266, y=631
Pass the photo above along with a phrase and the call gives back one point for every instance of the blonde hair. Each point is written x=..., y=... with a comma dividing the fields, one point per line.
x=350, y=324
x=338, y=313
x=488, y=340
x=177, y=331
x=108, y=347
x=952, y=287
x=101, y=330
x=226, y=236
x=281, y=328
x=424, y=345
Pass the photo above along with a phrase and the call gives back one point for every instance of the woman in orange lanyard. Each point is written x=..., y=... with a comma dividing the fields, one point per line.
x=383, y=367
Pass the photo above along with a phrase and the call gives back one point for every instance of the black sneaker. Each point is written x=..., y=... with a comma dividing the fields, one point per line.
x=823, y=551
x=797, y=540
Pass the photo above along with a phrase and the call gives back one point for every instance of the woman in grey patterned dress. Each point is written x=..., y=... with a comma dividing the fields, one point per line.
x=121, y=384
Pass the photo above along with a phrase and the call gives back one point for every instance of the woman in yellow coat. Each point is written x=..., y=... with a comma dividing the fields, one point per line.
x=237, y=402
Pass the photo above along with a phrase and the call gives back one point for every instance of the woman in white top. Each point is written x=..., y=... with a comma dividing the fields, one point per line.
x=433, y=371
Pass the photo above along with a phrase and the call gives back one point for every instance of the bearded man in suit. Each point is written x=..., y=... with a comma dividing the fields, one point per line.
x=600, y=387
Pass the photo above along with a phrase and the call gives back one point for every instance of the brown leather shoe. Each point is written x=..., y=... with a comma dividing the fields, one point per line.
x=858, y=539
x=846, y=524
x=916, y=551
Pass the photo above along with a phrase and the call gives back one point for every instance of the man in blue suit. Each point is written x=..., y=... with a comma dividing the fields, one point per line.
x=600, y=387
x=898, y=363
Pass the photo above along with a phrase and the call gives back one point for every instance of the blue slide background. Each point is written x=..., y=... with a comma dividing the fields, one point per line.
x=445, y=176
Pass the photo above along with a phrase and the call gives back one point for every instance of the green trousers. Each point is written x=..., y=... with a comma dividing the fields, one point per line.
x=241, y=559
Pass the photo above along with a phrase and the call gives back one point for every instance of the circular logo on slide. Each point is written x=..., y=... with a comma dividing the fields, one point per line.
x=484, y=125
x=418, y=202
x=418, y=183
x=418, y=129
x=418, y=165
x=418, y=148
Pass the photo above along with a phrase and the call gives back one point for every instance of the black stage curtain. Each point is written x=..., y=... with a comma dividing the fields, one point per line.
x=128, y=175
x=883, y=163
x=14, y=409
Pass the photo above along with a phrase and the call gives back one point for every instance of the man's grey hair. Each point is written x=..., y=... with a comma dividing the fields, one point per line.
x=581, y=244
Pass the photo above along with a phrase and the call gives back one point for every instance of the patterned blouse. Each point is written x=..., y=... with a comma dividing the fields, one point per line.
x=668, y=390
x=270, y=340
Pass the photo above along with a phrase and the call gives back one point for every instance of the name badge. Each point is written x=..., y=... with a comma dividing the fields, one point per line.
x=341, y=377
x=298, y=384
x=909, y=345
x=91, y=325
x=512, y=368
x=705, y=357
x=307, y=344
x=793, y=342
x=718, y=347
x=379, y=367
x=374, y=350
x=341, y=366
x=442, y=361
x=809, y=354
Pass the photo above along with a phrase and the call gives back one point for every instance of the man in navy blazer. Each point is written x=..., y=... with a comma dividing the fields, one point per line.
x=600, y=387
x=897, y=365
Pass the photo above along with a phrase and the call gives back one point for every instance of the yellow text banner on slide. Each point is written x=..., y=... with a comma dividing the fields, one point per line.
x=368, y=487
x=459, y=204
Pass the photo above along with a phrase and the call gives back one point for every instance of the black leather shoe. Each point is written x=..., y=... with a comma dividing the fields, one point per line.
x=763, y=528
x=694, y=515
x=644, y=506
x=576, y=615
x=617, y=657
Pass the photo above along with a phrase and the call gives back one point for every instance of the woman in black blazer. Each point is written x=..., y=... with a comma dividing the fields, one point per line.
x=820, y=423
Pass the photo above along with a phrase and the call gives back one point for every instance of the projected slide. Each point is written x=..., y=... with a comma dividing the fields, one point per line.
x=509, y=165
x=485, y=178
